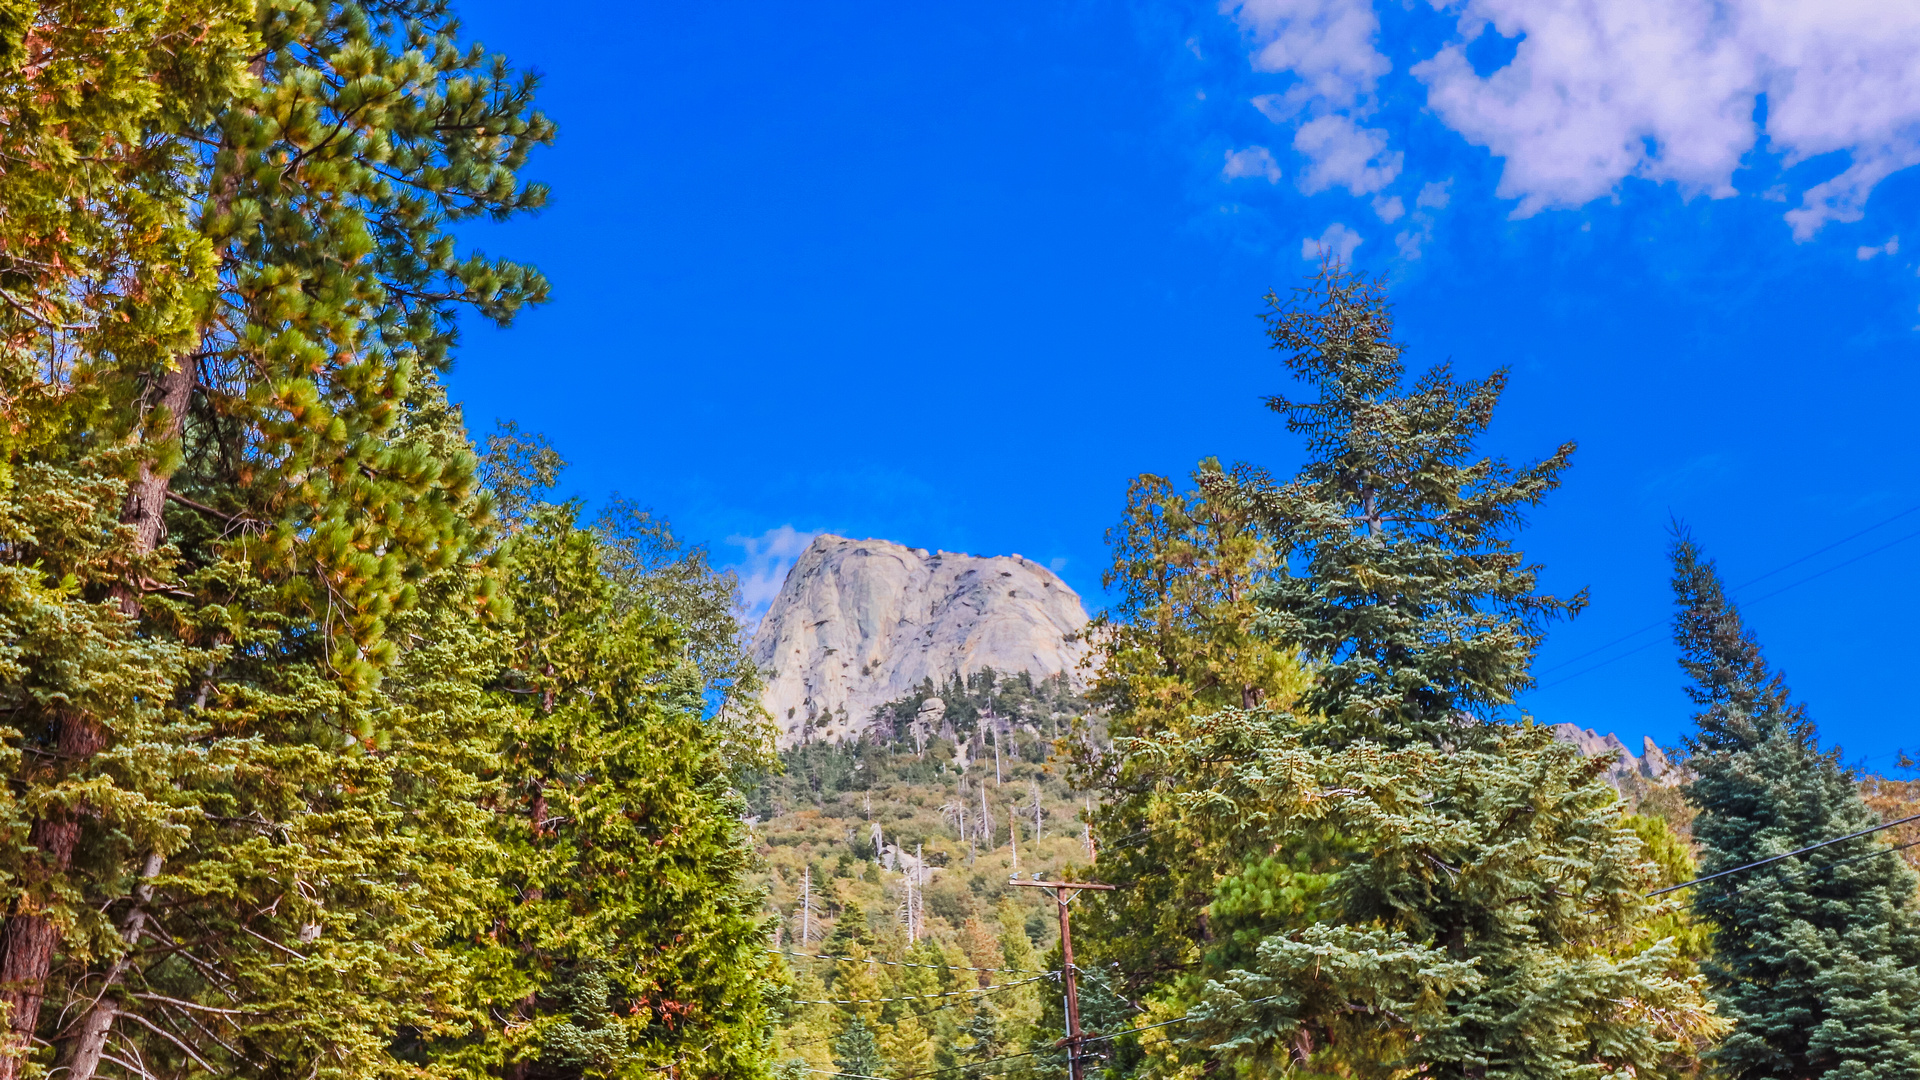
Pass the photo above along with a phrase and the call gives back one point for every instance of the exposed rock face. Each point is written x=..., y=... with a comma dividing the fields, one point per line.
x=859, y=623
x=1651, y=765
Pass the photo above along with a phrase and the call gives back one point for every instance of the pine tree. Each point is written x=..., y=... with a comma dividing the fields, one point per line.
x=632, y=940
x=1402, y=584
x=857, y=1051
x=982, y=1032
x=1400, y=881
x=1179, y=642
x=275, y=519
x=1816, y=959
x=907, y=1046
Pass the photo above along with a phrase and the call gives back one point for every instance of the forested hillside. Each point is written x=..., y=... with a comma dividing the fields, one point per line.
x=899, y=847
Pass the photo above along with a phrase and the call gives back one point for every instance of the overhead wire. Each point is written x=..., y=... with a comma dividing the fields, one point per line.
x=1868, y=855
x=908, y=963
x=1570, y=661
x=923, y=997
x=1776, y=858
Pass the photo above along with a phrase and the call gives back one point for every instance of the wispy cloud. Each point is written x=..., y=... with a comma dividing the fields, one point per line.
x=764, y=565
x=1868, y=251
x=1254, y=161
x=1337, y=241
x=1341, y=153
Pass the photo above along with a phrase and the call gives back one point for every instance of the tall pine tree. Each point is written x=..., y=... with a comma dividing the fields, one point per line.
x=1816, y=959
x=1401, y=880
x=1400, y=580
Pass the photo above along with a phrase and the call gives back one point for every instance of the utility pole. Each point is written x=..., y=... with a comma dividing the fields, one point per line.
x=1063, y=894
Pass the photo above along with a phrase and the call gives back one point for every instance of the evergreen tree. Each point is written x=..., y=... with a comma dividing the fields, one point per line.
x=1401, y=582
x=1394, y=880
x=856, y=1050
x=270, y=758
x=632, y=940
x=982, y=1032
x=256, y=430
x=1179, y=642
x=1816, y=958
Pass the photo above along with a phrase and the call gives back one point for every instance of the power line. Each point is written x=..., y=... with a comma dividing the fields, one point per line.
x=920, y=997
x=1570, y=661
x=1868, y=855
x=1788, y=855
x=907, y=963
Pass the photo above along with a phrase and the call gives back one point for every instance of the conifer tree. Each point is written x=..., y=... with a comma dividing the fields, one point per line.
x=1180, y=642
x=1400, y=881
x=1816, y=959
x=273, y=521
x=1401, y=582
x=632, y=940
x=856, y=1050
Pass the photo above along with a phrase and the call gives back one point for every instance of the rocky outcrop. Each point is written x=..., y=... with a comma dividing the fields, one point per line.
x=859, y=623
x=1650, y=766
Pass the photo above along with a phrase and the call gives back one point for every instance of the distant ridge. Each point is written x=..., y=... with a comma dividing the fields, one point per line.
x=859, y=623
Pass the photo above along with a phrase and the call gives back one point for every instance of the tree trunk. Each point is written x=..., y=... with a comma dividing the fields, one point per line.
x=81, y=1053
x=147, y=495
x=29, y=940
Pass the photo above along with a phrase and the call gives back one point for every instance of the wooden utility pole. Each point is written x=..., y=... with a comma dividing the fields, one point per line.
x=1063, y=894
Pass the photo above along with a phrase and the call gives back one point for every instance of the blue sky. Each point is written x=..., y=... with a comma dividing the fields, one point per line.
x=950, y=276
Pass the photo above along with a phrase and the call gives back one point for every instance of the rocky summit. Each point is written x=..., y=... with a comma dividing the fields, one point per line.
x=859, y=623
x=1649, y=766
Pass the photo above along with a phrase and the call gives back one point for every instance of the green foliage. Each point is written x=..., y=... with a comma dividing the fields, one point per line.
x=1372, y=875
x=1180, y=642
x=1481, y=915
x=1817, y=958
x=630, y=939
x=822, y=816
x=261, y=646
x=1402, y=585
x=857, y=1051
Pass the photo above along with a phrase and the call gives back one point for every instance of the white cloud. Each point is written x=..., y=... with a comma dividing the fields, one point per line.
x=1414, y=239
x=1663, y=90
x=1253, y=161
x=1891, y=247
x=1326, y=44
x=764, y=568
x=1390, y=210
x=1435, y=196
x=1666, y=90
x=1341, y=153
x=1337, y=242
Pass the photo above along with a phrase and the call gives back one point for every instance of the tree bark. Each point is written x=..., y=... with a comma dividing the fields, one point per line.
x=81, y=1052
x=147, y=495
x=29, y=939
